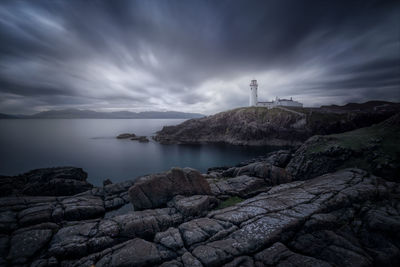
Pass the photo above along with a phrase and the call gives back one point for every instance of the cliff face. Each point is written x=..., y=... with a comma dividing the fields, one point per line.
x=375, y=149
x=277, y=126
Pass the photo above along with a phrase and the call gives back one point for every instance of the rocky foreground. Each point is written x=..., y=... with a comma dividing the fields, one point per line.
x=278, y=126
x=258, y=213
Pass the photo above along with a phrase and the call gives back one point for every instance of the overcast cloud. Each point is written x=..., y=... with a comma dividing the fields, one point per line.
x=196, y=56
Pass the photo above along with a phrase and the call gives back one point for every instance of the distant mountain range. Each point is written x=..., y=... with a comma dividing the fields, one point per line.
x=6, y=116
x=90, y=114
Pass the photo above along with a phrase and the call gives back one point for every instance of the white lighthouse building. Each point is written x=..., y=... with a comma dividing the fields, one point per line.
x=253, y=93
x=278, y=102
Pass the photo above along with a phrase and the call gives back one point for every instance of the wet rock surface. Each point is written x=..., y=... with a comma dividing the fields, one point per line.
x=339, y=219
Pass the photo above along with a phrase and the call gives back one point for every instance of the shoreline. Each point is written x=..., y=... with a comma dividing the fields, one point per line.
x=288, y=207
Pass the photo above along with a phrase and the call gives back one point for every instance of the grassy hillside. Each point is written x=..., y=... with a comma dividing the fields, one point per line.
x=375, y=149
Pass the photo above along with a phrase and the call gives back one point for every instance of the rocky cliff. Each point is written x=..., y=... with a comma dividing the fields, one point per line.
x=277, y=126
x=375, y=149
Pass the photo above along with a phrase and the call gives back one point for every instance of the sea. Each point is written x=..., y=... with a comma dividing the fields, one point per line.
x=91, y=144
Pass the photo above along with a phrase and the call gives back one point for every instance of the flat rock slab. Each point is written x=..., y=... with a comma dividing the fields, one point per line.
x=264, y=219
x=194, y=206
x=243, y=186
x=80, y=239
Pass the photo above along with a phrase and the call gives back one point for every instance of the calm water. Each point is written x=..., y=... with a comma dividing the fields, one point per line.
x=91, y=145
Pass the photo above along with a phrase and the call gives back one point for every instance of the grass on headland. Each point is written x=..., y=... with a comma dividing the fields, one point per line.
x=229, y=202
x=357, y=140
x=375, y=149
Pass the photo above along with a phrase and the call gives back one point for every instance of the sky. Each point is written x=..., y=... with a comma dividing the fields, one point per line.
x=195, y=56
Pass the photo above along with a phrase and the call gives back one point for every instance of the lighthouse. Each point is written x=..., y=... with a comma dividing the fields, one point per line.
x=253, y=93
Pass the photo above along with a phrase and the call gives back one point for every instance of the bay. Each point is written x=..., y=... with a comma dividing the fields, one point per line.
x=90, y=144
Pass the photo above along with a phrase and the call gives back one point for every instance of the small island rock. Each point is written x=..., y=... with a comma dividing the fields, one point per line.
x=107, y=182
x=126, y=136
x=142, y=139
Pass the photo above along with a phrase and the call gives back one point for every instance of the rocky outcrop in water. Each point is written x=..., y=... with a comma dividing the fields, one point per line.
x=61, y=181
x=278, y=126
x=126, y=136
x=133, y=137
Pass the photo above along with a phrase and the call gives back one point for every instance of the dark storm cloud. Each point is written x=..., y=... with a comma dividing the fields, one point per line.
x=195, y=55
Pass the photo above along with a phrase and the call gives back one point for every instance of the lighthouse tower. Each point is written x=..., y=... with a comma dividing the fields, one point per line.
x=253, y=93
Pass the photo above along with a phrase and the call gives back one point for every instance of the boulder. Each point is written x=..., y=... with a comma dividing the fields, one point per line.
x=271, y=174
x=156, y=190
x=107, y=182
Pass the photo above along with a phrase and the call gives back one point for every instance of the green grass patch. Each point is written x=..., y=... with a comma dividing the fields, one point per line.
x=229, y=202
x=315, y=117
x=358, y=139
x=373, y=145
